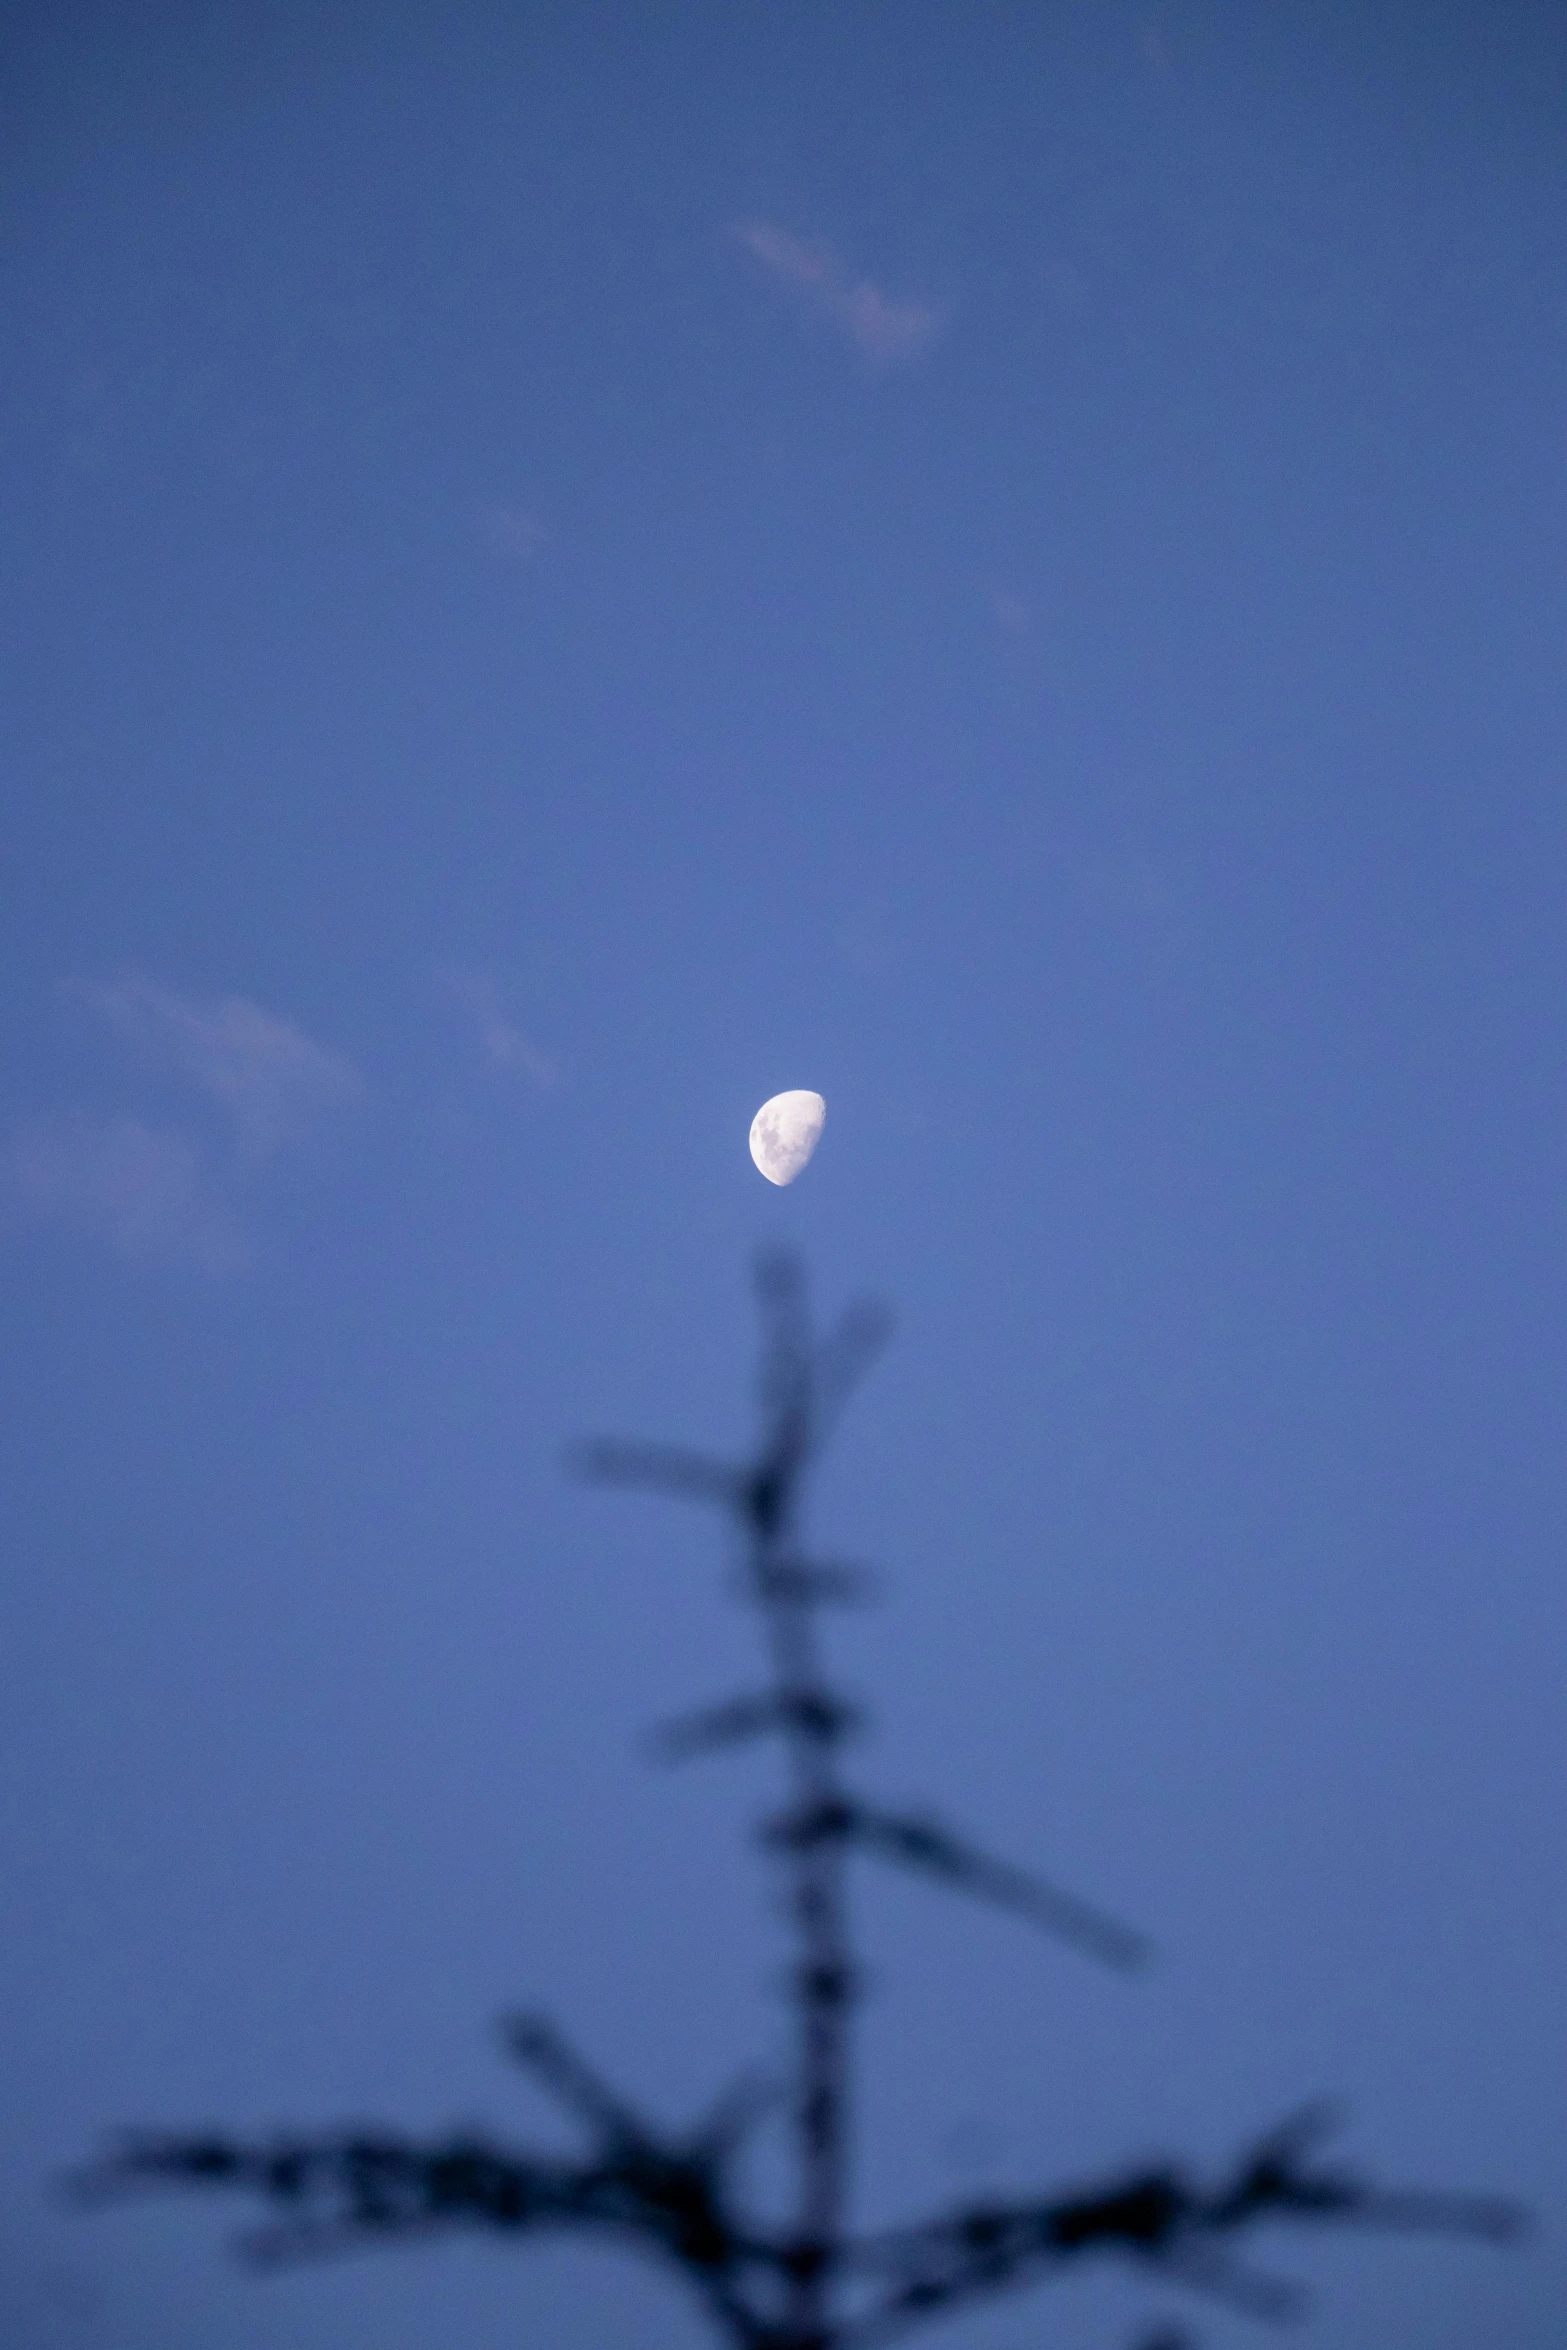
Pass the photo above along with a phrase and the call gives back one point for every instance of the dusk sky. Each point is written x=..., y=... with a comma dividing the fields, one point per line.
x=570, y=568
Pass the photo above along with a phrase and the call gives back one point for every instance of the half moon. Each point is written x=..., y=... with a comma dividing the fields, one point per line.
x=784, y=1133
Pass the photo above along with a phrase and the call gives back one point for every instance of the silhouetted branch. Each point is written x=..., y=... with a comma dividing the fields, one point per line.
x=810, y=1582
x=346, y=2188
x=920, y=1843
x=733, y=2116
x=1157, y=2216
x=345, y=2191
x=846, y=1357
x=535, y=2043
x=716, y=1726
x=1270, y=2179
x=663, y=1468
x=809, y=2285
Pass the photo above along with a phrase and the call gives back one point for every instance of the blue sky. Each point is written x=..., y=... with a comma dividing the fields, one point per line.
x=570, y=568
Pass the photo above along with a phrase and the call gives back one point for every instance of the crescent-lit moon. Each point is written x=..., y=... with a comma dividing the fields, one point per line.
x=784, y=1133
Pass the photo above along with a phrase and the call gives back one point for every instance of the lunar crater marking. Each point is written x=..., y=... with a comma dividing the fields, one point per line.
x=784, y=1133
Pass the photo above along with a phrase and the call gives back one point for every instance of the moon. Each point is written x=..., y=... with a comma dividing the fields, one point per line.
x=784, y=1133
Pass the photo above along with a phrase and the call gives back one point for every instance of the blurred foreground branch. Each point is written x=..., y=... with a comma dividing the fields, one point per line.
x=809, y=2283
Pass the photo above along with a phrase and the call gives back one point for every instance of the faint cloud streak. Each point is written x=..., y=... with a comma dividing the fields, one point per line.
x=265, y=1074
x=502, y=1043
x=511, y=533
x=1010, y=612
x=144, y=1190
x=883, y=328
x=162, y=1194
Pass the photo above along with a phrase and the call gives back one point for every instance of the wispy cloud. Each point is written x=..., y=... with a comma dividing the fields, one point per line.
x=502, y=1043
x=883, y=328
x=166, y=1193
x=512, y=534
x=145, y=1190
x=267, y=1076
x=1010, y=612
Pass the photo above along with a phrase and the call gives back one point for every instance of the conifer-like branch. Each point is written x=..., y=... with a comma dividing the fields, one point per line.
x=808, y=2284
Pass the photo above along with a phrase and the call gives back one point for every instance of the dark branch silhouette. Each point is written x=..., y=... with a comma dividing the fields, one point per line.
x=808, y=2284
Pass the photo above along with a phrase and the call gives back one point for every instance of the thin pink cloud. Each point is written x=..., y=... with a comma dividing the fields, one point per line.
x=512, y=533
x=146, y=1191
x=502, y=1043
x=167, y=1194
x=266, y=1075
x=883, y=328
